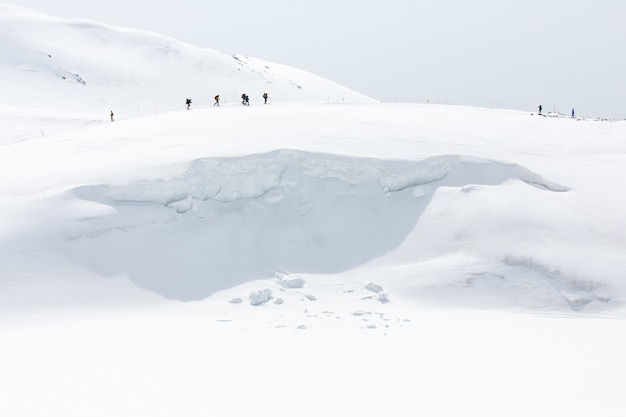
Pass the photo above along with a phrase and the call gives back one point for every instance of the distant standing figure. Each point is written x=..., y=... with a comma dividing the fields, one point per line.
x=540, y=108
x=112, y=116
x=572, y=113
x=265, y=97
x=188, y=103
x=217, y=100
x=245, y=100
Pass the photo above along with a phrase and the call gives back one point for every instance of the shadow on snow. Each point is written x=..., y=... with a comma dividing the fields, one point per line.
x=226, y=221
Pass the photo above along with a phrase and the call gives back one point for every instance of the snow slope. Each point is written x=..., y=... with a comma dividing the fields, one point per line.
x=309, y=258
x=55, y=63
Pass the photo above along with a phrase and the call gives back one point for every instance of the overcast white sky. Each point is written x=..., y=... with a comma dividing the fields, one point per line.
x=491, y=53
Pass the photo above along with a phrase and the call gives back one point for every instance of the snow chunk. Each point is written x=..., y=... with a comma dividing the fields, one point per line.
x=236, y=300
x=361, y=313
x=291, y=283
x=374, y=287
x=258, y=298
x=182, y=206
x=286, y=281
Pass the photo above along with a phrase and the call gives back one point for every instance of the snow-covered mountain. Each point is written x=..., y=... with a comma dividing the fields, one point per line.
x=296, y=258
x=83, y=65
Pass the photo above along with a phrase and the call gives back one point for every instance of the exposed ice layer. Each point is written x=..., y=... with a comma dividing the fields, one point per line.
x=229, y=179
x=226, y=221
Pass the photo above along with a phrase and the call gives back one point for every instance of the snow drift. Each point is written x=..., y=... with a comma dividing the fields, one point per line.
x=282, y=211
x=489, y=211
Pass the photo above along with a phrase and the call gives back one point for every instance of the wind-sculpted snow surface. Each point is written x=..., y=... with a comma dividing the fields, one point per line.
x=225, y=221
x=230, y=179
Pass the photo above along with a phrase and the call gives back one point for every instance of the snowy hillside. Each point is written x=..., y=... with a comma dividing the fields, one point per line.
x=297, y=258
x=83, y=65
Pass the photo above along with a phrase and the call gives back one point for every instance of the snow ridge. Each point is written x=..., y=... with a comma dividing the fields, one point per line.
x=229, y=179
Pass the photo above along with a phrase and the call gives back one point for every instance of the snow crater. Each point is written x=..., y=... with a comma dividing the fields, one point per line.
x=225, y=221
